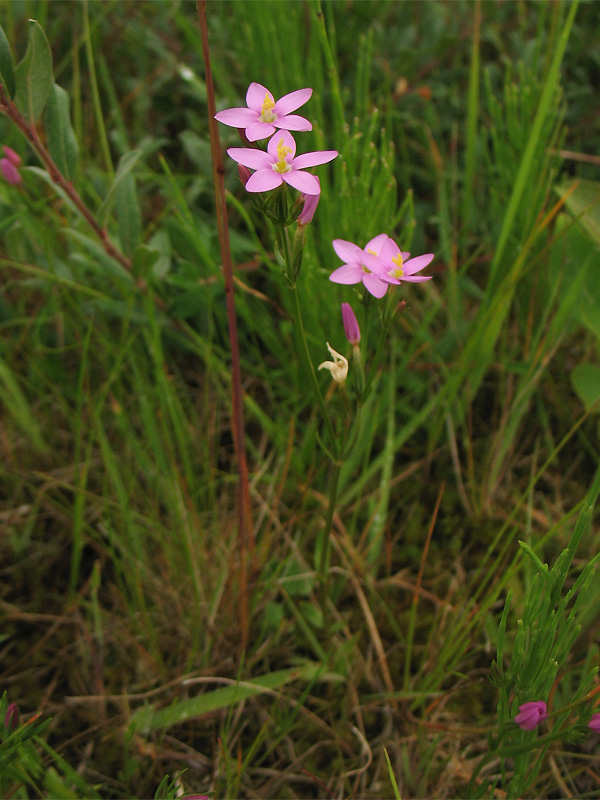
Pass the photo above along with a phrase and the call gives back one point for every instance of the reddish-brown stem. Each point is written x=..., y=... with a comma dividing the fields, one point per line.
x=31, y=134
x=245, y=536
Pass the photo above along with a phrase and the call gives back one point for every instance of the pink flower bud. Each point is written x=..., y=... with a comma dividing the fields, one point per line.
x=594, y=723
x=9, y=171
x=244, y=174
x=531, y=714
x=12, y=718
x=311, y=201
x=12, y=156
x=350, y=324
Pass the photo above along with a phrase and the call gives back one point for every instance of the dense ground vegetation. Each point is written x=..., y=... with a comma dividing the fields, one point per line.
x=461, y=131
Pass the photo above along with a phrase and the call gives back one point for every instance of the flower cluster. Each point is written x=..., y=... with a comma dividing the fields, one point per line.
x=279, y=164
x=378, y=265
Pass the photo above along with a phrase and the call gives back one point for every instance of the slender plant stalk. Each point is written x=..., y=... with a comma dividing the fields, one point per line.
x=245, y=536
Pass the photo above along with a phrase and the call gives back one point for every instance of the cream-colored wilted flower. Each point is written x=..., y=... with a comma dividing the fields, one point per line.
x=338, y=367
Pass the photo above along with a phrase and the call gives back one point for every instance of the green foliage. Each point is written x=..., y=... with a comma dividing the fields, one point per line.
x=62, y=143
x=33, y=76
x=7, y=75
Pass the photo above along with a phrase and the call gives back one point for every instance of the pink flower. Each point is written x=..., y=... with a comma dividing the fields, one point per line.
x=278, y=165
x=264, y=115
x=531, y=714
x=361, y=265
x=350, y=324
x=398, y=266
x=311, y=201
x=594, y=723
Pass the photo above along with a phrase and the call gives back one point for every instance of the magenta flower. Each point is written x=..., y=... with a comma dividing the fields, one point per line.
x=9, y=166
x=361, y=265
x=594, y=723
x=399, y=266
x=264, y=115
x=531, y=714
x=311, y=201
x=350, y=324
x=278, y=164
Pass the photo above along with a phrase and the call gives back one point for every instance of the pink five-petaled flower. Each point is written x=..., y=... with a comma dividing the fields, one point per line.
x=531, y=714
x=361, y=265
x=594, y=723
x=399, y=266
x=278, y=164
x=351, y=328
x=264, y=115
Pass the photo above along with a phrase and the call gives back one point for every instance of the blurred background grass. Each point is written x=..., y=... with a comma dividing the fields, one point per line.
x=117, y=477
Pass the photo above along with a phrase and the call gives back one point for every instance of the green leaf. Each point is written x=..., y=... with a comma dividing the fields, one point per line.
x=129, y=216
x=62, y=143
x=144, y=259
x=7, y=73
x=126, y=164
x=148, y=719
x=586, y=382
x=33, y=75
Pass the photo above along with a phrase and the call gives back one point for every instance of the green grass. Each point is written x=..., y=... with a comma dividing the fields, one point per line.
x=120, y=588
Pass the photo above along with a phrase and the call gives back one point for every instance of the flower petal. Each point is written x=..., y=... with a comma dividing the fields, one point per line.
x=303, y=181
x=347, y=251
x=349, y=273
x=263, y=181
x=287, y=140
x=255, y=96
x=377, y=243
x=417, y=264
x=293, y=122
x=314, y=159
x=259, y=130
x=375, y=286
x=415, y=278
x=236, y=117
x=290, y=102
x=249, y=157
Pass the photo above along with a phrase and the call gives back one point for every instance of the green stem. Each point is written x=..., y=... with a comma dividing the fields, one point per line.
x=308, y=363
x=326, y=538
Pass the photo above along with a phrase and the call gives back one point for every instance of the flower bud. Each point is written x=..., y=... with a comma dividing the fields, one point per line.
x=311, y=201
x=244, y=174
x=10, y=171
x=12, y=718
x=350, y=324
x=594, y=723
x=531, y=714
x=12, y=156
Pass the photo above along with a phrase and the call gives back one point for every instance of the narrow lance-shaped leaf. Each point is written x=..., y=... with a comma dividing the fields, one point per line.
x=33, y=75
x=126, y=164
x=62, y=142
x=129, y=216
x=7, y=73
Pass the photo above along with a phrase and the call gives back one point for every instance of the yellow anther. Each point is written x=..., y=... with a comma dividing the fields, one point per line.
x=267, y=113
x=281, y=164
x=398, y=272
